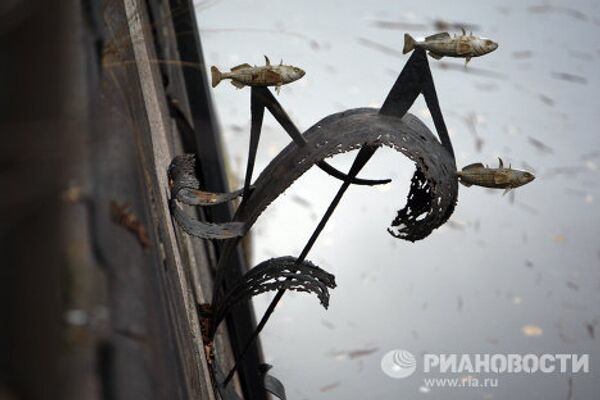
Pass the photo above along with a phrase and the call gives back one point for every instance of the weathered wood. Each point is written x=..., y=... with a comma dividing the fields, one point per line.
x=154, y=139
x=89, y=310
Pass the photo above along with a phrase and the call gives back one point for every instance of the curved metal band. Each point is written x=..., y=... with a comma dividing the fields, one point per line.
x=349, y=130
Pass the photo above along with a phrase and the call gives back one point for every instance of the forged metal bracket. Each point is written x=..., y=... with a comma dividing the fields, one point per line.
x=185, y=189
x=282, y=273
x=272, y=384
x=352, y=129
x=185, y=186
x=431, y=200
x=434, y=187
x=262, y=98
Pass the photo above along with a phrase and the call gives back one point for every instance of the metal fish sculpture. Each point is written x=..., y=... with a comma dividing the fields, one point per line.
x=497, y=178
x=442, y=44
x=267, y=75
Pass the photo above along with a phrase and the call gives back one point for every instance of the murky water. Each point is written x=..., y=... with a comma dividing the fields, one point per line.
x=507, y=274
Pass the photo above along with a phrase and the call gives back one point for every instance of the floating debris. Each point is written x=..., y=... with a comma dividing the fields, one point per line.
x=563, y=76
x=441, y=25
x=572, y=285
x=582, y=55
x=486, y=86
x=471, y=122
x=330, y=387
x=560, y=238
x=591, y=329
x=380, y=47
x=301, y=201
x=550, y=9
x=567, y=171
x=539, y=145
x=522, y=55
x=532, y=330
x=327, y=324
x=354, y=354
x=399, y=25
x=456, y=225
x=546, y=100
x=590, y=155
x=471, y=70
x=570, y=395
x=424, y=389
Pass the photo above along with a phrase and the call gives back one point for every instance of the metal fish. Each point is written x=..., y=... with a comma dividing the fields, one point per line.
x=267, y=75
x=497, y=178
x=442, y=44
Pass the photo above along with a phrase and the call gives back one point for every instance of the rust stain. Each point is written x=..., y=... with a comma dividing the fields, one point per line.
x=122, y=215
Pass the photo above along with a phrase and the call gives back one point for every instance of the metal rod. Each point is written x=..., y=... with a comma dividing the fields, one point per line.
x=360, y=161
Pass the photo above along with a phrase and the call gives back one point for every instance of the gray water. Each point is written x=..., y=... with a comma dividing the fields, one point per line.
x=508, y=274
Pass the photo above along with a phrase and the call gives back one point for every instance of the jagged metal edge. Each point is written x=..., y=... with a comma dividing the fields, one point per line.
x=276, y=274
x=349, y=130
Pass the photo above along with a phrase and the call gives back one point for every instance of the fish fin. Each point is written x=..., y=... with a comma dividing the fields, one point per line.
x=435, y=55
x=267, y=61
x=241, y=66
x=501, y=163
x=467, y=184
x=474, y=165
x=216, y=75
x=442, y=35
x=464, y=33
x=506, y=191
x=237, y=84
x=409, y=43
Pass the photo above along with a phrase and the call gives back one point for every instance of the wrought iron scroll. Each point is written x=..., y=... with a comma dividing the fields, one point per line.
x=431, y=200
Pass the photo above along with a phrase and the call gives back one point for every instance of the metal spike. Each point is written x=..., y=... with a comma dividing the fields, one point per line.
x=267, y=60
x=501, y=163
x=464, y=33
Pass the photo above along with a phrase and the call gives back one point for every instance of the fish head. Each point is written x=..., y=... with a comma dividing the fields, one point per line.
x=297, y=73
x=290, y=73
x=484, y=46
x=523, y=177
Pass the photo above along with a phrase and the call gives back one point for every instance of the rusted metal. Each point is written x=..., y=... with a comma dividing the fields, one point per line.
x=431, y=199
x=281, y=273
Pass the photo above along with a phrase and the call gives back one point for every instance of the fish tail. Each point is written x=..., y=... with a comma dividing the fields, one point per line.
x=216, y=75
x=409, y=43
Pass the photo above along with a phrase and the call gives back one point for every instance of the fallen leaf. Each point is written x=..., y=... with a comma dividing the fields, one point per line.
x=532, y=330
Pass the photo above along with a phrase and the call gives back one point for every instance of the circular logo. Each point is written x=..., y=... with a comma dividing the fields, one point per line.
x=398, y=364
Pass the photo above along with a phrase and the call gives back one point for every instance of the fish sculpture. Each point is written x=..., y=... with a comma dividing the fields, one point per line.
x=267, y=75
x=443, y=45
x=497, y=178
